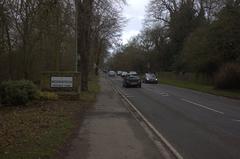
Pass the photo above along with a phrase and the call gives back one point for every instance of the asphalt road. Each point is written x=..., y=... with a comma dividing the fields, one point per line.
x=198, y=125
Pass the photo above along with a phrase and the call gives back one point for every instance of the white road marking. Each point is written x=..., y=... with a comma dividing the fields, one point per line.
x=236, y=120
x=202, y=106
x=130, y=96
x=164, y=140
x=164, y=94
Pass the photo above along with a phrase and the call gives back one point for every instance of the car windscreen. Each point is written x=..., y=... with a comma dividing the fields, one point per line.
x=124, y=73
x=133, y=77
x=148, y=75
x=133, y=73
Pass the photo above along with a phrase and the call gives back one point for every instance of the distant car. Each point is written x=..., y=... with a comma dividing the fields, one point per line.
x=119, y=73
x=133, y=73
x=124, y=74
x=132, y=81
x=111, y=73
x=150, y=78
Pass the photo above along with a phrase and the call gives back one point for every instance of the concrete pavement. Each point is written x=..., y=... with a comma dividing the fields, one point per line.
x=109, y=131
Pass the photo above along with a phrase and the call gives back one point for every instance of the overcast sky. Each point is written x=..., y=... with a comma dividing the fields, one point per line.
x=134, y=12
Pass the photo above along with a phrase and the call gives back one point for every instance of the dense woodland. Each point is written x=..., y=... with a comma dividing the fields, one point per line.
x=197, y=36
x=40, y=35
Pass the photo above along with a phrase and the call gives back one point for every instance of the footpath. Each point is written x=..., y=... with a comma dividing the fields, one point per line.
x=109, y=131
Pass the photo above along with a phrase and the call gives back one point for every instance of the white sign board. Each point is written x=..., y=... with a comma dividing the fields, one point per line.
x=61, y=82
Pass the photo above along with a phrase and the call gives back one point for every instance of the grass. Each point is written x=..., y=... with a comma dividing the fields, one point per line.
x=94, y=88
x=35, y=131
x=39, y=130
x=201, y=87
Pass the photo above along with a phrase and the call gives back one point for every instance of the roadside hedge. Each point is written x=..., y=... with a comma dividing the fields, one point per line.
x=228, y=77
x=18, y=92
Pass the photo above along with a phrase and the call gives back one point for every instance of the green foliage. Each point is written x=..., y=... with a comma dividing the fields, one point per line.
x=196, y=53
x=228, y=77
x=131, y=57
x=213, y=45
x=224, y=34
x=48, y=96
x=18, y=92
x=182, y=23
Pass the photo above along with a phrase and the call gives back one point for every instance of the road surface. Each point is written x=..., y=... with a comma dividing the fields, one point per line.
x=198, y=125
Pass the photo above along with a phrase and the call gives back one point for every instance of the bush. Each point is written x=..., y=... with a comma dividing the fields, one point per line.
x=48, y=96
x=228, y=77
x=18, y=92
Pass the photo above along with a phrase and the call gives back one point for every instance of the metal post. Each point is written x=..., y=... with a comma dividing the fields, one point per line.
x=76, y=36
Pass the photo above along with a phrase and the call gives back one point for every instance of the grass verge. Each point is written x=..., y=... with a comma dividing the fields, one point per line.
x=39, y=130
x=201, y=87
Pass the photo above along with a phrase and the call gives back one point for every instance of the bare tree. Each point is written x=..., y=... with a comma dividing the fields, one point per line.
x=163, y=10
x=107, y=26
x=97, y=24
x=5, y=41
x=36, y=36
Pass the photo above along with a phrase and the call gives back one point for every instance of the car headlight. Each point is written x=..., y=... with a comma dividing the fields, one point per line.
x=156, y=79
x=147, y=78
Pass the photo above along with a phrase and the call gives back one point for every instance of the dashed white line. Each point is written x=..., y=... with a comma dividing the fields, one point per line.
x=164, y=94
x=236, y=120
x=130, y=96
x=202, y=106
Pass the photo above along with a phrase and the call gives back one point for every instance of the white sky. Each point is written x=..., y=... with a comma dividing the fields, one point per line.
x=134, y=12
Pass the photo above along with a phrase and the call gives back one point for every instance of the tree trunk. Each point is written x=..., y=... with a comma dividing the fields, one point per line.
x=10, y=57
x=84, y=17
x=98, y=57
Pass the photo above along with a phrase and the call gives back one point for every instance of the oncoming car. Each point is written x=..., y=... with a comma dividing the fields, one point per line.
x=124, y=74
x=132, y=81
x=111, y=73
x=133, y=73
x=150, y=78
x=119, y=73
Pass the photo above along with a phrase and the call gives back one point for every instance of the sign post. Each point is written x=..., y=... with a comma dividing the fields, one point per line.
x=61, y=82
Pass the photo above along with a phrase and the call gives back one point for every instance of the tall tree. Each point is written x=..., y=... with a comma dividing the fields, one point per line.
x=84, y=18
x=107, y=25
x=35, y=35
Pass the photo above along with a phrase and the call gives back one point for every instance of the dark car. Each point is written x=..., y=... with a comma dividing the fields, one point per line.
x=132, y=81
x=150, y=78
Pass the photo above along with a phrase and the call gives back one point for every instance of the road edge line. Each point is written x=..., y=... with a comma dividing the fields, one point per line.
x=163, y=139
